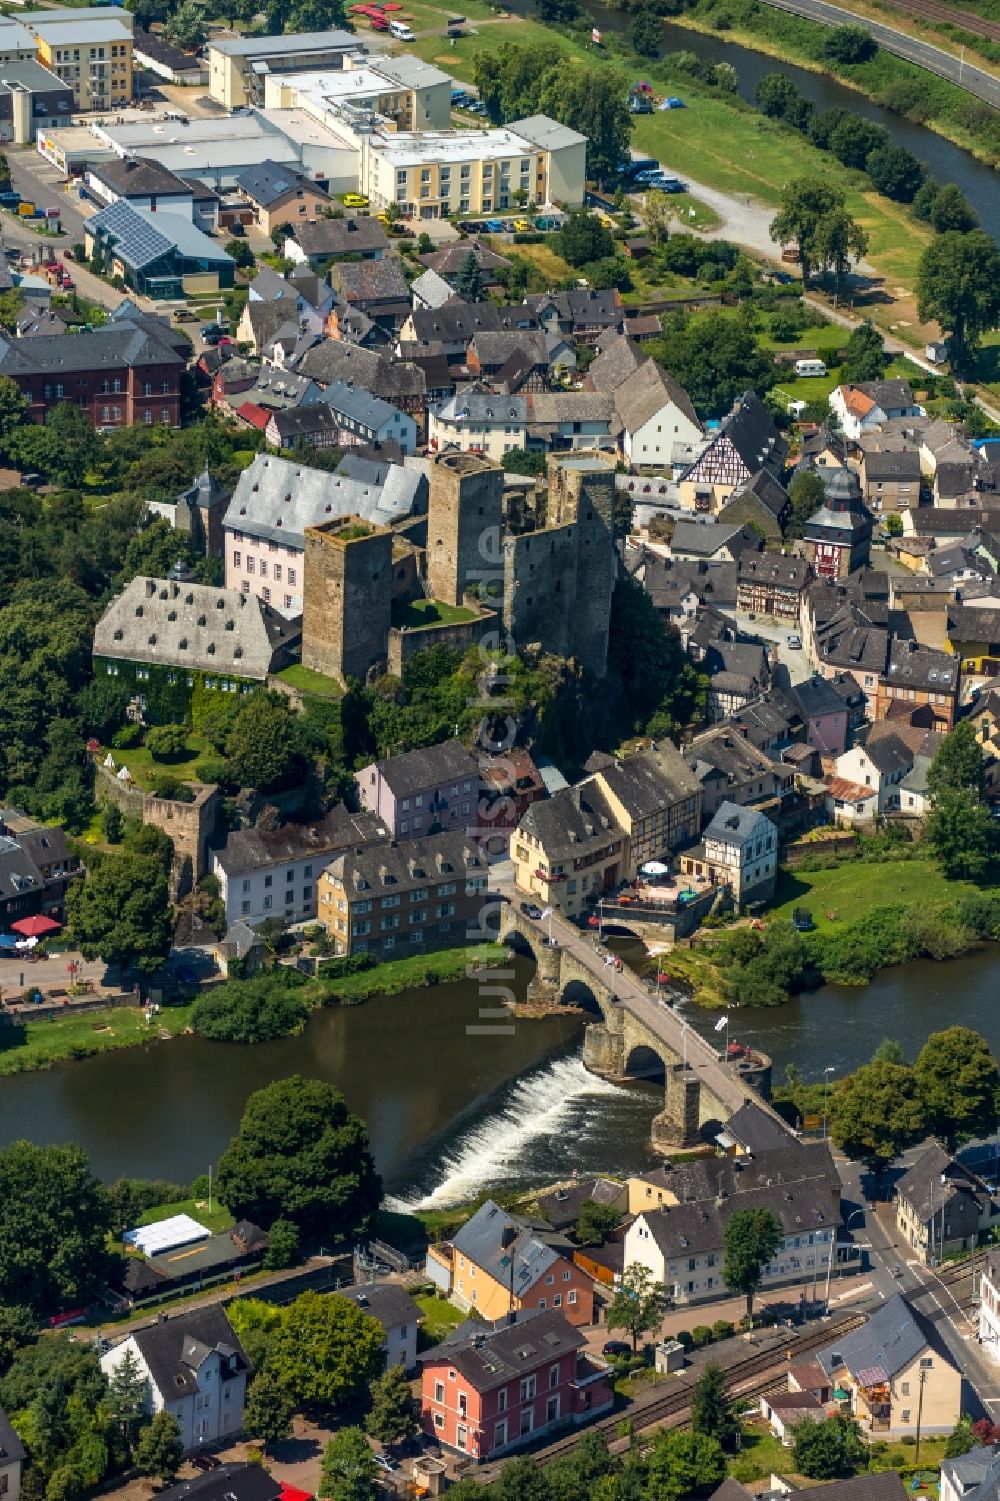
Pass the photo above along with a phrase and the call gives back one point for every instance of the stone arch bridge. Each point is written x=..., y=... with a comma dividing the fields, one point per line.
x=635, y=1030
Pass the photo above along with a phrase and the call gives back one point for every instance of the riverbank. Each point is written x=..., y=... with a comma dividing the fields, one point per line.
x=31, y=1046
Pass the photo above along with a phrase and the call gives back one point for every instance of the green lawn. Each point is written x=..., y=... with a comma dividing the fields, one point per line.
x=144, y=769
x=439, y=1318
x=424, y=612
x=402, y=974
x=309, y=682
x=27, y=1046
x=215, y=1219
x=853, y=888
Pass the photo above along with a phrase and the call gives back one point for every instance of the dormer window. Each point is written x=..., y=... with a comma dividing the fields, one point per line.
x=171, y=614
x=211, y=648
x=182, y=644
x=119, y=634
x=230, y=625
x=201, y=620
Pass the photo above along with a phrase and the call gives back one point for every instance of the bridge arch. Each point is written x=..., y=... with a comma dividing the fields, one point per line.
x=581, y=995
x=644, y=1062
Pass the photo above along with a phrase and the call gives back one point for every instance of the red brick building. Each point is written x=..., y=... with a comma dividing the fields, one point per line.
x=121, y=375
x=489, y=1388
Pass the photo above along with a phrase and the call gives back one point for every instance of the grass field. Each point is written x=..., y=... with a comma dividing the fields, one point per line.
x=420, y=613
x=439, y=1318
x=309, y=682
x=215, y=1219
x=27, y=1046
x=853, y=888
x=145, y=770
x=403, y=974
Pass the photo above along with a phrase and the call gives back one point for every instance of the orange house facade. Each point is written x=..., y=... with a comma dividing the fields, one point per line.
x=488, y=1390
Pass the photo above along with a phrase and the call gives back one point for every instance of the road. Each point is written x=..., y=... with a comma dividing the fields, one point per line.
x=983, y=85
x=657, y=1016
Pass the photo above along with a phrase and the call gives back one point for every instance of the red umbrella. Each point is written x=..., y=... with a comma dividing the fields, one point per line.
x=35, y=927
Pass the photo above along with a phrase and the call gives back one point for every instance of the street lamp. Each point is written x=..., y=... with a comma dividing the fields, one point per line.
x=826, y=1094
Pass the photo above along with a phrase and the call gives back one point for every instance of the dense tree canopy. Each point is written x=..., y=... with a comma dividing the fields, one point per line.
x=958, y=284
x=877, y=1113
x=121, y=912
x=751, y=1238
x=832, y=1448
x=255, y=1010
x=957, y=1077
x=715, y=359
x=300, y=1155
x=53, y=1220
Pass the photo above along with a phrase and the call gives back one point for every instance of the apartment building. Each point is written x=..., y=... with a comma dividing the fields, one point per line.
x=423, y=791
x=238, y=66
x=390, y=901
x=569, y=848
x=89, y=50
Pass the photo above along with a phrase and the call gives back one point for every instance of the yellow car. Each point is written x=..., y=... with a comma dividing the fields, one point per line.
x=522, y=226
x=355, y=200
x=382, y=217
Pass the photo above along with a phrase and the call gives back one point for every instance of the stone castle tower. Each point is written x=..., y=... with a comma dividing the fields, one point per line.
x=464, y=517
x=347, y=597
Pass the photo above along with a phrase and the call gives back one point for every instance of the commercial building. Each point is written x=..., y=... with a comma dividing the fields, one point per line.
x=568, y=849
x=216, y=151
x=739, y=850
x=143, y=183
x=158, y=254
x=239, y=66
x=394, y=900
x=36, y=868
x=275, y=873
x=403, y=92
x=90, y=50
x=488, y=1389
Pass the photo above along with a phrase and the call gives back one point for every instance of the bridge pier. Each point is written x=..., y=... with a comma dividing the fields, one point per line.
x=546, y=983
x=604, y=1051
x=679, y=1122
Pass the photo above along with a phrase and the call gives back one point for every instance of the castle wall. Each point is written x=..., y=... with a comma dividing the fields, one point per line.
x=347, y=596
x=464, y=517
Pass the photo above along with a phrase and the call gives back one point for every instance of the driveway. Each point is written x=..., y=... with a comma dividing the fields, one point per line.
x=793, y=659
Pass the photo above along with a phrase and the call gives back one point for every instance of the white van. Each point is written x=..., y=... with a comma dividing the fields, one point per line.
x=810, y=367
x=401, y=31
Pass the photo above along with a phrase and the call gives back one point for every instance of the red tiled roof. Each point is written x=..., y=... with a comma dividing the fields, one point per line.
x=846, y=791
x=256, y=416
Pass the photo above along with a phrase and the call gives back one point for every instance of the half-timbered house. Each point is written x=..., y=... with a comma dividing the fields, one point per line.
x=747, y=441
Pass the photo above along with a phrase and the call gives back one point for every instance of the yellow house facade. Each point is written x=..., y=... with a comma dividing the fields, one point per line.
x=94, y=57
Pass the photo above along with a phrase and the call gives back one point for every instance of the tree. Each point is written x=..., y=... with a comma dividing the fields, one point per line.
x=557, y=12
x=864, y=355
x=300, y=1155
x=957, y=1077
x=469, y=279
x=267, y=1415
x=684, y=1464
x=950, y=211
x=711, y=1410
x=250, y=1011
x=240, y=252
x=961, y=834
x=520, y=1480
x=895, y=172
x=165, y=742
x=647, y=32
x=639, y=1303
x=121, y=912
x=282, y=1246
x=521, y=461
x=839, y=239
x=316, y=15
x=958, y=283
x=958, y=764
x=961, y=1439
x=264, y=744
x=54, y=1218
x=804, y=203
x=657, y=213
x=807, y=493
x=849, y=44
x=186, y=27
x=127, y=1398
x=777, y=96
x=853, y=139
x=13, y=412
x=877, y=1113
x=65, y=448
x=324, y=1350
x=393, y=1415
x=751, y=1238
x=583, y=238
x=594, y=1222
x=825, y=1450
x=348, y=1471
x=159, y=1450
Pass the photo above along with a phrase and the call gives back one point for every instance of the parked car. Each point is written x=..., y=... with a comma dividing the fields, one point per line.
x=614, y=1347
x=494, y=226
x=673, y=185
x=795, y=641
x=530, y=910
x=355, y=200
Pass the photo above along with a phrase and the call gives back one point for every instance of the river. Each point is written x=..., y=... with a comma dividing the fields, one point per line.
x=947, y=162
x=451, y=1113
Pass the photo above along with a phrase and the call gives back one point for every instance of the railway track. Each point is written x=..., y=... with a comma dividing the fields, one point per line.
x=933, y=10
x=762, y=1371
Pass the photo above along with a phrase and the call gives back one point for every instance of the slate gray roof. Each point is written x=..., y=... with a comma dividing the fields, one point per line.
x=431, y=289
x=482, y=407
x=889, y=754
x=505, y=1248
x=404, y=482
x=562, y=1207
x=749, y=428
x=268, y=182
x=571, y=821
x=554, y=408
x=888, y=394
x=341, y=237
x=976, y=1475
x=232, y=1482
x=647, y=391
x=734, y=824
x=174, y=1350
x=893, y=465
x=703, y=538
x=650, y=779
x=194, y=626
x=768, y=490
x=408, y=865
x=757, y=1131
x=456, y=322
x=921, y=667
x=334, y=359
x=355, y=402
x=668, y=580
x=257, y=849
x=433, y=765
x=619, y=358
x=494, y=348
x=138, y=176
x=108, y=348
x=817, y=696
x=491, y=1355
x=689, y=1229
x=892, y=1338
x=774, y=568
x=449, y=260
x=388, y=1302
x=922, y=1187
x=723, y=752
x=371, y=281
x=278, y=498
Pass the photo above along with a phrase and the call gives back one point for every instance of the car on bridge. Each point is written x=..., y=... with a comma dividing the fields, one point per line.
x=530, y=910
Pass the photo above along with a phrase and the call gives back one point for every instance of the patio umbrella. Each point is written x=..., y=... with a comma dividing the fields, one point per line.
x=655, y=868
x=35, y=927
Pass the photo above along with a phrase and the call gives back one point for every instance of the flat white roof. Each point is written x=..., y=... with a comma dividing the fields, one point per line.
x=341, y=83
x=166, y=1235
x=234, y=142
x=410, y=149
x=304, y=129
x=283, y=46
